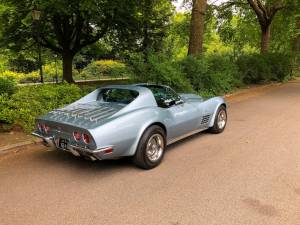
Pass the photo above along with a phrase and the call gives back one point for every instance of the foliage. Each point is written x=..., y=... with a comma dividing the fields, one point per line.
x=105, y=68
x=7, y=86
x=159, y=70
x=211, y=75
x=238, y=30
x=242, y=23
x=20, y=77
x=256, y=68
x=22, y=64
x=66, y=27
x=21, y=108
x=177, y=38
x=49, y=71
x=145, y=30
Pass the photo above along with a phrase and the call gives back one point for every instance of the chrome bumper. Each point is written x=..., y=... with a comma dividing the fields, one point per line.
x=47, y=141
x=93, y=155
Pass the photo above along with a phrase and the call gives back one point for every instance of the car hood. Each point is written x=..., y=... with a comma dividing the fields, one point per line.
x=85, y=115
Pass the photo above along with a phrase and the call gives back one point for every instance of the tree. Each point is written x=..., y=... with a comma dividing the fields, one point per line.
x=197, y=27
x=155, y=19
x=65, y=26
x=296, y=41
x=146, y=32
x=265, y=14
x=177, y=39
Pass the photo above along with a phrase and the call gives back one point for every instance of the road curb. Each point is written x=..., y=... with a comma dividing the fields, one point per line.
x=244, y=92
x=14, y=148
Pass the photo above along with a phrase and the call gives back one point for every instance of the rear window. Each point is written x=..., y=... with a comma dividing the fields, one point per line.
x=117, y=95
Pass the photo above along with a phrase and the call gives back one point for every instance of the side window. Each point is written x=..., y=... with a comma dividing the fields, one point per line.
x=124, y=96
x=165, y=97
x=172, y=95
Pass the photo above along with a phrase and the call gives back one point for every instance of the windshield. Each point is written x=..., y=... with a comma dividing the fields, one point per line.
x=117, y=95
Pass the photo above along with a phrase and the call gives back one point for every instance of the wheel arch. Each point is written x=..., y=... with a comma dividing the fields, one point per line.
x=141, y=133
x=223, y=103
x=157, y=124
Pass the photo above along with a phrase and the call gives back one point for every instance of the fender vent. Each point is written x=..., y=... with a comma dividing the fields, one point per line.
x=205, y=119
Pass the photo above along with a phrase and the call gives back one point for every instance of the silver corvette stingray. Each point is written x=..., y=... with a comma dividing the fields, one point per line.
x=137, y=120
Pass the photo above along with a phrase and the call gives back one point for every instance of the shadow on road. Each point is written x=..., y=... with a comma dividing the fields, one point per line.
x=193, y=137
x=65, y=160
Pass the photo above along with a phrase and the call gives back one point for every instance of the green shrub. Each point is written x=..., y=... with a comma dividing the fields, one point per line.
x=159, y=70
x=105, y=68
x=49, y=71
x=281, y=65
x=257, y=68
x=21, y=77
x=212, y=74
x=7, y=86
x=28, y=102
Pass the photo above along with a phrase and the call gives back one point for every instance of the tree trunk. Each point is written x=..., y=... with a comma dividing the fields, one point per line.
x=265, y=38
x=265, y=14
x=197, y=27
x=67, y=67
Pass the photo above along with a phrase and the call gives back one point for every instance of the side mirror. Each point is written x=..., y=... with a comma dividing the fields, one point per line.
x=169, y=103
x=179, y=102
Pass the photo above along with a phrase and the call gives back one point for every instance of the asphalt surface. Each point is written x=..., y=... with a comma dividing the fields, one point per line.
x=250, y=174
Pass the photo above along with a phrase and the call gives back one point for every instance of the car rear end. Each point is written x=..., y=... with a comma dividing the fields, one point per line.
x=66, y=137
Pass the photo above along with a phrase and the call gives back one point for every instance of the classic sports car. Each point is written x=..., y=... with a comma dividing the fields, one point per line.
x=137, y=120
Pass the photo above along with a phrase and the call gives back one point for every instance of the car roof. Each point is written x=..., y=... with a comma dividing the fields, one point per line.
x=136, y=87
x=150, y=85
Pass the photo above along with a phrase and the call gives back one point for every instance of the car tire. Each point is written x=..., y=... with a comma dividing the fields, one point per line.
x=151, y=148
x=220, y=121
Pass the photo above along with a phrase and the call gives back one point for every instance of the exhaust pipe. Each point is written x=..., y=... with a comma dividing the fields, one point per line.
x=90, y=158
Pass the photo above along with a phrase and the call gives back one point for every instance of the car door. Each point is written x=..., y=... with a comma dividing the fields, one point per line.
x=183, y=118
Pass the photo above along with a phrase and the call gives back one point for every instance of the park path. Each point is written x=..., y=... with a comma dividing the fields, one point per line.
x=248, y=175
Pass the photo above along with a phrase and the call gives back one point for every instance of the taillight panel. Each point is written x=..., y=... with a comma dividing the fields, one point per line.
x=44, y=128
x=40, y=127
x=77, y=136
x=47, y=129
x=86, y=138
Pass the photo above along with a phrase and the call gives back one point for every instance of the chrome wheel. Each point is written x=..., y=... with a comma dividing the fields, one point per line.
x=155, y=147
x=222, y=119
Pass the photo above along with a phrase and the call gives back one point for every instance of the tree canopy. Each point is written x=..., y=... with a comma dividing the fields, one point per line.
x=66, y=26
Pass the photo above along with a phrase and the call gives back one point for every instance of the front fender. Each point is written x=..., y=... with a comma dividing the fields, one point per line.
x=219, y=101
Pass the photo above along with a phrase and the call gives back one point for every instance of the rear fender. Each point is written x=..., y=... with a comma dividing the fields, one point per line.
x=143, y=129
x=125, y=131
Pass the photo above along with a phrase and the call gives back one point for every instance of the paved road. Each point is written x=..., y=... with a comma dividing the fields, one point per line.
x=249, y=175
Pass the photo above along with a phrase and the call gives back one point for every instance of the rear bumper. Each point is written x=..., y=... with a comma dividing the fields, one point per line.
x=97, y=154
x=47, y=141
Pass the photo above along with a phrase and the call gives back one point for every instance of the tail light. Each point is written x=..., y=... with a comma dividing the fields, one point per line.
x=40, y=127
x=43, y=128
x=86, y=138
x=46, y=128
x=76, y=135
x=108, y=150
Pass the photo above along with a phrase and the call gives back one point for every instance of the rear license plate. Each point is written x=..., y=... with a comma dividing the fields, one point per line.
x=63, y=143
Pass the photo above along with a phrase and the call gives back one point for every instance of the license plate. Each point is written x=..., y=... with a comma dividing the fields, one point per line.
x=63, y=143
